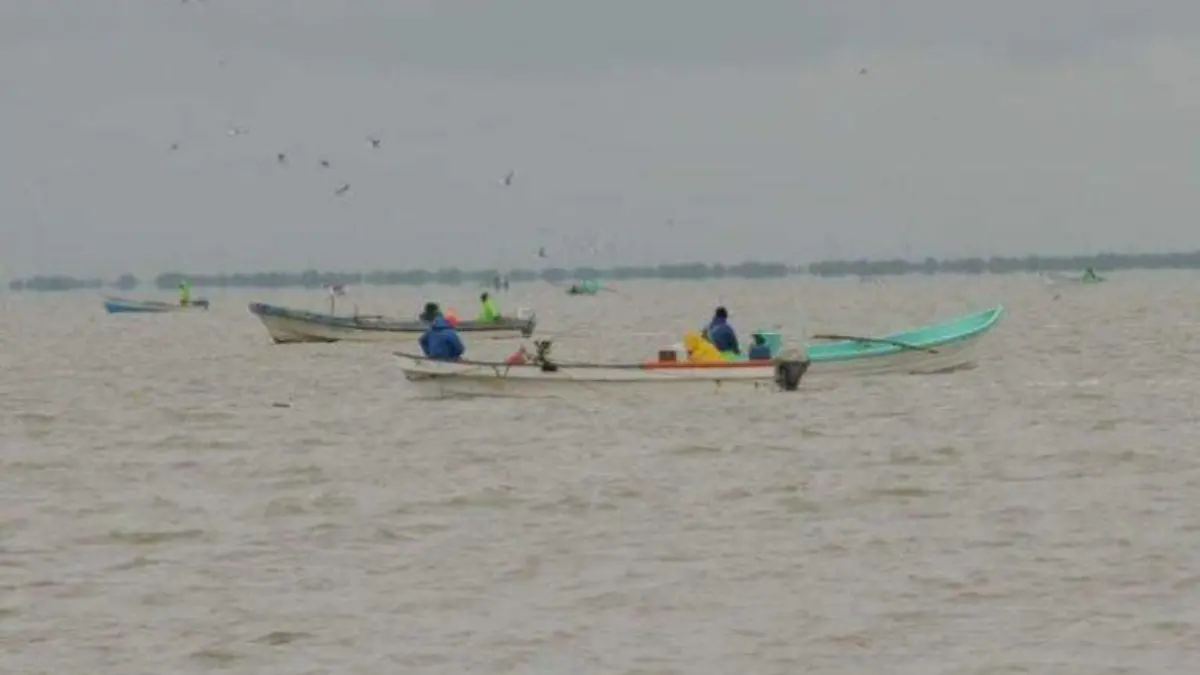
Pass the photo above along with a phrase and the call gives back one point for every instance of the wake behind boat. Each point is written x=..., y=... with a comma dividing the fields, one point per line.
x=295, y=325
x=115, y=305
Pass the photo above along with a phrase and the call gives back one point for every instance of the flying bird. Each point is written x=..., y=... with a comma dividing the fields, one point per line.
x=281, y=158
x=862, y=72
x=508, y=178
x=325, y=163
x=542, y=252
x=174, y=146
x=342, y=190
x=374, y=142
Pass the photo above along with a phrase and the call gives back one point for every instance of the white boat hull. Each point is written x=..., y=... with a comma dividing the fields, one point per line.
x=440, y=378
x=444, y=378
x=287, y=330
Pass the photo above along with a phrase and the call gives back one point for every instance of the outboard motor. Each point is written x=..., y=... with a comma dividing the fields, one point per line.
x=542, y=356
x=530, y=316
x=790, y=366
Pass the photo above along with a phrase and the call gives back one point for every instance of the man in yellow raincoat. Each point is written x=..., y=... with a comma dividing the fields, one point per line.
x=700, y=350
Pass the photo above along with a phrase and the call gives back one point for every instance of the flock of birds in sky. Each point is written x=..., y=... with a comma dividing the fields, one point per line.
x=343, y=189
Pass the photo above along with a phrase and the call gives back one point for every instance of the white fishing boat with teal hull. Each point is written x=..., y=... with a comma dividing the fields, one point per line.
x=940, y=347
x=936, y=348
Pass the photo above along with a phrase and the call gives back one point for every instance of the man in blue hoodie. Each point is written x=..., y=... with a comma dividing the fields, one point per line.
x=760, y=350
x=721, y=334
x=440, y=342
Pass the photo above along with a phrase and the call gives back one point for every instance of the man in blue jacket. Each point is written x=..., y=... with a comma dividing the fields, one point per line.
x=760, y=350
x=441, y=342
x=721, y=334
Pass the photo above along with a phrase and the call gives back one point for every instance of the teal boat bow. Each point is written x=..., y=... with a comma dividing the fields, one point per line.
x=961, y=329
x=943, y=346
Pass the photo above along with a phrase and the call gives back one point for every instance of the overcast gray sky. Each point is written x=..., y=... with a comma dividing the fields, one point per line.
x=641, y=131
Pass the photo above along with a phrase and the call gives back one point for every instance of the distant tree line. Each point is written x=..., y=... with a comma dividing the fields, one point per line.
x=681, y=272
x=59, y=282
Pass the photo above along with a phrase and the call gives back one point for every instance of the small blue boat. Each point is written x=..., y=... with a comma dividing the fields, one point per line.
x=114, y=305
x=586, y=287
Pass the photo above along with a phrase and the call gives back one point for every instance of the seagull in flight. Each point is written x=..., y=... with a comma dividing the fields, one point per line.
x=342, y=190
x=281, y=158
x=374, y=142
x=325, y=164
x=508, y=178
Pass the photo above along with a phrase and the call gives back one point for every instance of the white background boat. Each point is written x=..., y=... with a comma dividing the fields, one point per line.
x=287, y=325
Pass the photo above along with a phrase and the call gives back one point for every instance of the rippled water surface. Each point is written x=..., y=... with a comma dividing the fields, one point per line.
x=181, y=496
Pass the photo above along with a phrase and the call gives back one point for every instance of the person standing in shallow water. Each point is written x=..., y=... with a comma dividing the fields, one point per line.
x=185, y=293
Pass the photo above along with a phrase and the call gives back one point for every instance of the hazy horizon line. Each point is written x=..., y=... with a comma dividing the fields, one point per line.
x=862, y=267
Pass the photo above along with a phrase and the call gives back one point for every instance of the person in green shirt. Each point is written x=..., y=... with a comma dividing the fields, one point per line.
x=185, y=293
x=488, y=312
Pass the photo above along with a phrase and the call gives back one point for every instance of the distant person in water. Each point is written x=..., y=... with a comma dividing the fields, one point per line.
x=431, y=312
x=700, y=350
x=185, y=293
x=488, y=312
x=1089, y=274
x=721, y=334
x=441, y=342
x=760, y=350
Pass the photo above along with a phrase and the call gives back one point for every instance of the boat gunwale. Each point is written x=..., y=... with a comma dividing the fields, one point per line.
x=679, y=365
